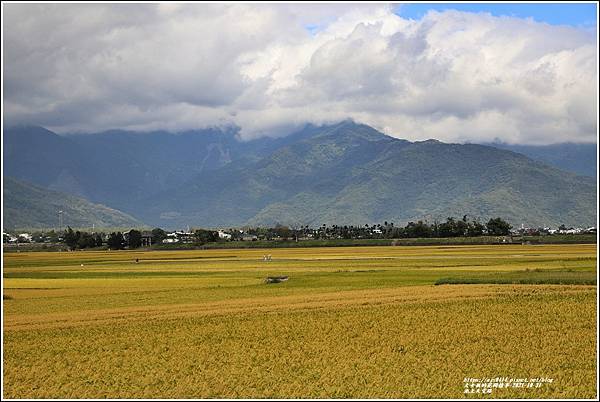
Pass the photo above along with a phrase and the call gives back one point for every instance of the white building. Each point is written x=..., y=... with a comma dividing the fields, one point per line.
x=170, y=239
x=223, y=235
x=25, y=236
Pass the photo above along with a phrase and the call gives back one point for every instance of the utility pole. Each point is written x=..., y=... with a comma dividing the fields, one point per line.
x=60, y=220
x=522, y=234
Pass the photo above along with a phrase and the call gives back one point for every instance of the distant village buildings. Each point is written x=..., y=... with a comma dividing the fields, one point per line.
x=147, y=238
x=526, y=231
x=305, y=233
x=179, y=237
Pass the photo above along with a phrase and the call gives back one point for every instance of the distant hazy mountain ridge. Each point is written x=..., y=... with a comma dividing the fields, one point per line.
x=576, y=158
x=30, y=206
x=344, y=174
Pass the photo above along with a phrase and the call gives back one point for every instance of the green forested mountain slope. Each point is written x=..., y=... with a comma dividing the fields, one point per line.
x=345, y=173
x=352, y=174
x=30, y=206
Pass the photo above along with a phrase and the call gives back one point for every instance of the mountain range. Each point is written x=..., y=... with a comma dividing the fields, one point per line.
x=572, y=157
x=345, y=173
x=30, y=206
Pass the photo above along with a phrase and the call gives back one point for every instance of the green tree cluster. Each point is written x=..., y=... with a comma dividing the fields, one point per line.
x=80, y=240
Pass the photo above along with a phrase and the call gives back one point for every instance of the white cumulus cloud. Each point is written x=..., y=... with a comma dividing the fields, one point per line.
x=270, y=68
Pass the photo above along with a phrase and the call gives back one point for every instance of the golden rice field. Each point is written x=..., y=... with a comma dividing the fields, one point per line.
x=351, y=322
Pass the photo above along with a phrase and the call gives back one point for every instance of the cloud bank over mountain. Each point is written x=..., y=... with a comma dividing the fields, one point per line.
x=271, y=68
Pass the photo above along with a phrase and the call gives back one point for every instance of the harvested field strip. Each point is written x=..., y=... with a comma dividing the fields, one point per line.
x=413, y=294
x=401, y=349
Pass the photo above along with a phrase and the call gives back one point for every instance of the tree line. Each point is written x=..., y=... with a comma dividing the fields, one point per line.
x=452, y=227
x=131, y=239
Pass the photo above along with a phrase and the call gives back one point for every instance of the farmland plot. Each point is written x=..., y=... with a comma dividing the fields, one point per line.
x=352, y=322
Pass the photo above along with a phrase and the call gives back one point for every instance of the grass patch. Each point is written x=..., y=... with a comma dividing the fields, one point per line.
x=527, y=277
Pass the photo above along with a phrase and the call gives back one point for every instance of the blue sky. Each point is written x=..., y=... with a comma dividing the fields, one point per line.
x=575, y=14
